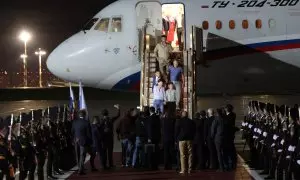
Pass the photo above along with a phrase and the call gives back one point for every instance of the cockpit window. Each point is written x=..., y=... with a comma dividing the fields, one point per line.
x=116, y=24
x=102, y=25
x=90, y=24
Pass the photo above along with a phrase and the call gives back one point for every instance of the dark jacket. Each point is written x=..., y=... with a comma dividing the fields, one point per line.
x=4, y=163
x=126, y=127
x=140, y=127
x=107, y=125
x=200, y=133
x=185, y=130
x=207, y=128
x=229, y=126
x=168, y=127
x=165, y=24
x=153, y=128
x=82, y=132
x=96, y=134
x=217, y=129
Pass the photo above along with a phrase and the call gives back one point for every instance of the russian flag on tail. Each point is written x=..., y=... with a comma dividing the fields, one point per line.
x=71, y=103
x=82, y=104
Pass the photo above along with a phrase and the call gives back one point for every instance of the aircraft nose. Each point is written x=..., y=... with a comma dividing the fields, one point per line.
x=53, y=60
x=61, y=62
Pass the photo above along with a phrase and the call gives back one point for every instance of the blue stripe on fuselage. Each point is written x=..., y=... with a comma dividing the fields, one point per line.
x=129, y=83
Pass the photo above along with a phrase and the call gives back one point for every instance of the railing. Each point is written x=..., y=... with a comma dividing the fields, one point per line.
x=189, y=97
x=188, y=92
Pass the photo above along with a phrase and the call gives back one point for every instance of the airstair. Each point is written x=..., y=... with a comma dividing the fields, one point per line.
x=148, y=61
x=149, y=25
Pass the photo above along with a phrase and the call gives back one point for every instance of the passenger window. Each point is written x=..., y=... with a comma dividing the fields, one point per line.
x=102, y=25
x=116, y=24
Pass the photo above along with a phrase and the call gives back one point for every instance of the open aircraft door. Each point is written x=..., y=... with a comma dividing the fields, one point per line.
x=149, y=27
x=197, y=45
x=196, y=57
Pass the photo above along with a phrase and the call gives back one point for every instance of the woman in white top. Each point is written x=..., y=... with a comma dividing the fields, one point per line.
x=170, y=98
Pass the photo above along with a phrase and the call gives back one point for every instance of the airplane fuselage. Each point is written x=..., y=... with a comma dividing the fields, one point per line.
x=236, y=29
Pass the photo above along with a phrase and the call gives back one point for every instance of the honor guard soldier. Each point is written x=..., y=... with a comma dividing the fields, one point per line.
x=265, y=138
x=273, y=133
x=27, y=155
x=256, y=135
x=15, y=143
x=260, y=147
x=247, y=129
x=296, y=163
x=58, y=139
x=49, y=130
x=5, y=156
x=55, y=130
x=41, y=145
x=291, y=142
x=281, y=146
x=273, y=142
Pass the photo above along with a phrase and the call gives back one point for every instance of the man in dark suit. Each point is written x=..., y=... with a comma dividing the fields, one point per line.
x=97, y=141
x=168, y=127
x=185, y=133
x=83, y=138
x=107, y=126
x=199, y=140
x=231, y=130
x=208, y=139
x=154, y=137
x=217, y=134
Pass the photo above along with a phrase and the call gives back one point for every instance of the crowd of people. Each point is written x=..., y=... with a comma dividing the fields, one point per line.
x=272, y=133
x=206, y=142
x=26, y=141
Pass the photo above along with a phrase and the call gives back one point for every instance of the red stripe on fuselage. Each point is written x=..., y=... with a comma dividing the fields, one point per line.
x=244, y=50
x=279, y=47
x=135, y=87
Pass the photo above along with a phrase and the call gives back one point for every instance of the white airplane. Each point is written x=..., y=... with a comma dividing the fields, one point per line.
x=256, y=37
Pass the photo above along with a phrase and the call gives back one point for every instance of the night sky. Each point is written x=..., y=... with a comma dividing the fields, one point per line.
x=49, y=21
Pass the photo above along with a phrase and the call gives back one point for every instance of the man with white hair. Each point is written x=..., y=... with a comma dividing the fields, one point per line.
x=217, y=134
x=209, y=140
x=210, y=112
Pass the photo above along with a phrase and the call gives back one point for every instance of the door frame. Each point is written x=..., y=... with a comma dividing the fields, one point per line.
x=184, y=19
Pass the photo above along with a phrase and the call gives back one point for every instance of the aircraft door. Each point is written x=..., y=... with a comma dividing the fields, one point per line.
x=196, y=58
x=197, y=44
x=149, y=28
x=149, y=22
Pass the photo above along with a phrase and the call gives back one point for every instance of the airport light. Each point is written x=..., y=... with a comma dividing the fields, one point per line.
x=40, y=53
x=25, y=37
x=24, y=57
